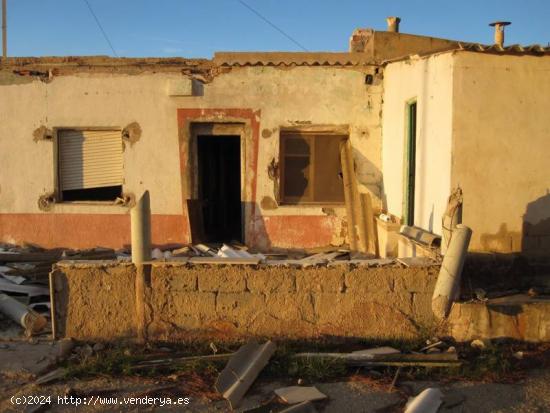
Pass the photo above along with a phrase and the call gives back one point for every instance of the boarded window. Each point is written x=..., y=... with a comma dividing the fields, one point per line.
x=311, y=169
x=90, y=165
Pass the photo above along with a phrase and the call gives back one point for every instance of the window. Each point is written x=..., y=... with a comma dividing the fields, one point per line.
x=311, y=168
x=89, y=165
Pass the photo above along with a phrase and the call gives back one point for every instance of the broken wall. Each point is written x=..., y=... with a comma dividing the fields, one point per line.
x=428, y=81
x=279, y=97
x=235, y=301
x=500, y=150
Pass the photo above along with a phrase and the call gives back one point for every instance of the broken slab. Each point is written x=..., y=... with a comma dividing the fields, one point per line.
x=377, y=351
x=426, y=402
x=242, y=369
x=299, y=394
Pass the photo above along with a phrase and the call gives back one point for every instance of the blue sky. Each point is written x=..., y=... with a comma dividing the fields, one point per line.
x=198, y=28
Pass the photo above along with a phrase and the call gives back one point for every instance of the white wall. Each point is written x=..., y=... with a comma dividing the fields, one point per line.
x=429, y=81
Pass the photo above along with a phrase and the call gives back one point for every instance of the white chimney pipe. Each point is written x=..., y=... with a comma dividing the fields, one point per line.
x=393, y=24
x=499, y=32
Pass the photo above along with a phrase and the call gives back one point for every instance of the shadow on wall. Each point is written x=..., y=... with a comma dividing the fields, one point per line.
x=517, y=260
x=370, y=176
x=534, y=238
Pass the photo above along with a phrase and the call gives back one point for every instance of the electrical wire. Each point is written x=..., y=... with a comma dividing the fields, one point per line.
x=257, y=13
x=101, y=27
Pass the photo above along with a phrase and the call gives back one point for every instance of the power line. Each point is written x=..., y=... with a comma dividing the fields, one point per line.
x=100, y=27
x=257, y=13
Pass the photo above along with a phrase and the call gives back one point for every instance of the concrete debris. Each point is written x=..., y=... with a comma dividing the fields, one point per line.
x=157, y=254
x=427, y=401
x=242, y=369
x=52, y=376
x=305, y=407
x=30, y=290
x=420, y=236
x=377, y=351
x=26, y=317
x=221, y=260
x=299, y=394
x=396, y=360
x=432, y=345
x=518, y=355
x=479, y=344
x=417, y=261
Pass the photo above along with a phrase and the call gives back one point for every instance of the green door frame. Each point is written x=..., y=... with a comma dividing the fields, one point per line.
x=410, y=164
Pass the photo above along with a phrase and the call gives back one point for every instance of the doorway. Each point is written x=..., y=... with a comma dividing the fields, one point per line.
x=219, y=186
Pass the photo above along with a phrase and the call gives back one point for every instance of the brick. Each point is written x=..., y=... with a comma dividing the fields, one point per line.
x=320, y=280
x=198, y=305
x=271, y=280
x=290, y=307
x=416, y=280
x=174, y=278
x=362, y=316
x=370, y=279
x=227, y=279
x=241, y=308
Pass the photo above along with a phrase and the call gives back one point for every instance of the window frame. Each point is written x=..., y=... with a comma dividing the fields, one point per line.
x=58, y=191
x=284, y=200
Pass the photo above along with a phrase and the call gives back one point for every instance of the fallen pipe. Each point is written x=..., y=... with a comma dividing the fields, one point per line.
x=426, y=402
x=447, y=287
x=21, y=314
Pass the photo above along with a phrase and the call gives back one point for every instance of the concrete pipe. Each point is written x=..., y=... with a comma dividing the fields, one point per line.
x=447, y=287
x=21, y=314
x=140, y=216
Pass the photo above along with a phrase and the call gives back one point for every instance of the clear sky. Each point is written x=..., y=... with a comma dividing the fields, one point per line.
x=200, y=27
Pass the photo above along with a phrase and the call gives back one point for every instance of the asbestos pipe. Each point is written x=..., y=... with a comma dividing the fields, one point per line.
x=449, y=225
x=21, y=314
x=141, y=252
x=447, y=287
x=141, y=230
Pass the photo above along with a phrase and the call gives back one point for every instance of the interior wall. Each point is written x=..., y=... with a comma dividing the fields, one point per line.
x=429, y=82
x=500, y=150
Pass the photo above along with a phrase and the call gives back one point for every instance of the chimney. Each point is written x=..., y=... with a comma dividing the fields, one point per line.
x=499, y=32
x=393, y=24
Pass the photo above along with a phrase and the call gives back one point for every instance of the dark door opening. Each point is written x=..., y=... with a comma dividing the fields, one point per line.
x=219, y=168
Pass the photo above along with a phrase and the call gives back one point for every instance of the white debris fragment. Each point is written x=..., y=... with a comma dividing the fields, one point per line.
x=427, y=401
x=299, y=394
x=157, y=254
x=377, y=351
x=479, y=344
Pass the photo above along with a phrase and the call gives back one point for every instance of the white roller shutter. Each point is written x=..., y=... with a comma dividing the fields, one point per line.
x=90, y=159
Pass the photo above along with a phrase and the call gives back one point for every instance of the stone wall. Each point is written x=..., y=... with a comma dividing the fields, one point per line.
x=96, y=301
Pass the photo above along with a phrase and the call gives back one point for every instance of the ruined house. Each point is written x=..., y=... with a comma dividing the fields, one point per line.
x=245, y=146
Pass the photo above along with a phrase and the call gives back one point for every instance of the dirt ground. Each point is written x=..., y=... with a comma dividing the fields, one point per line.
x=93, y=385
x=530, y=395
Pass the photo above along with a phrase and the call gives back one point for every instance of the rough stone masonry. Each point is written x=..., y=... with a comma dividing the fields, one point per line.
x=96, y=301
